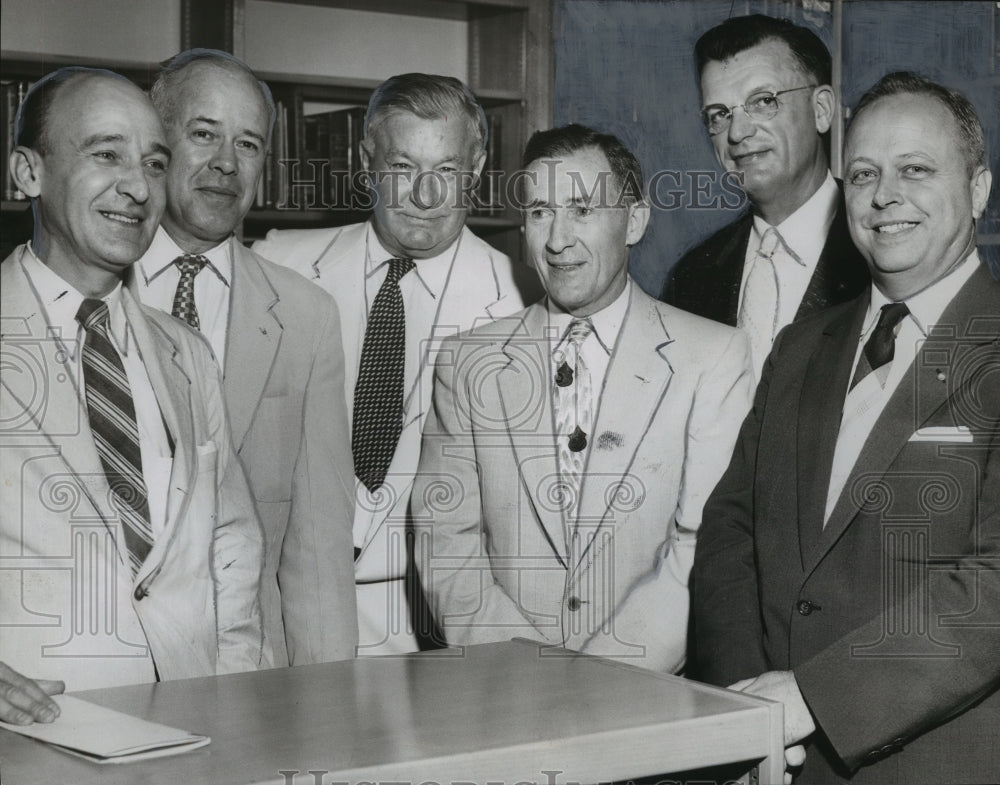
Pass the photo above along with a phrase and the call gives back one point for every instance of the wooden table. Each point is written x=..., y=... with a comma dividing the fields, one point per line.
x=502, y=713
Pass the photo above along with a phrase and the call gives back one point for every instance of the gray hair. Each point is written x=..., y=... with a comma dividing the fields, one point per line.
x=428, y=96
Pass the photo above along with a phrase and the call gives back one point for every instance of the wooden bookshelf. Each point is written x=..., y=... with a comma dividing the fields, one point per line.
x=508, y=67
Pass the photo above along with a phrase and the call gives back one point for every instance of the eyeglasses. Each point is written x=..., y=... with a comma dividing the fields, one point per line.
x=759, y=106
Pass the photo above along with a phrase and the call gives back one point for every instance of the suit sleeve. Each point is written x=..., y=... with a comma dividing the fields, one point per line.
x=720, y=403
x=467, y=602
x=871, y=706
x=237, y=543
x=316, y=570
x=727, y=629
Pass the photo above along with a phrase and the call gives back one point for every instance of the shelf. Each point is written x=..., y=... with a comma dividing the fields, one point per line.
x=436, y=9
x=31, y=65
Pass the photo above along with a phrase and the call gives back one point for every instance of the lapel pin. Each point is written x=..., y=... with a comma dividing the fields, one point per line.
x=941, y=377
x=263, y=330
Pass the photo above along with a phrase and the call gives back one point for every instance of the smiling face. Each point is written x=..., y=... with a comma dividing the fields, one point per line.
x=217, y=130
x=782, y=159
x=420, y=168
x=100, y=182
x=577, y=235
x=911, y=200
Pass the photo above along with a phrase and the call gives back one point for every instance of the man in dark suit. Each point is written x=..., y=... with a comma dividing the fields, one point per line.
x=276, y=338
x=768, y=106
x=849, y=560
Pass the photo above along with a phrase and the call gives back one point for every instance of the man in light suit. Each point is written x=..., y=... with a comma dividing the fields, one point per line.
x=277, y=339
x=571, y=446
x=768, y=106
x=849, y=562
x=424, y=142
x=129, y=546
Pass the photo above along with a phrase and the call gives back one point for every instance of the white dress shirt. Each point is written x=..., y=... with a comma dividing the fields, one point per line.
x=803, y=235
x=61, y=301
x=866, y=401
x=157, y=277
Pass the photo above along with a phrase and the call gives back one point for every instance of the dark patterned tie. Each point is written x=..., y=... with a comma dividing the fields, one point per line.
x=113, y=425
x=881, y=344
x=378, y=395
x=184, y=307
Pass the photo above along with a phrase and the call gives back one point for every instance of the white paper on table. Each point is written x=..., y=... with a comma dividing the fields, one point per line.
x=107, y=736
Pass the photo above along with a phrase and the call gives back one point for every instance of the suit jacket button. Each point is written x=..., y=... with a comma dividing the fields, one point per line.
x=805, y=607
x=573, y=603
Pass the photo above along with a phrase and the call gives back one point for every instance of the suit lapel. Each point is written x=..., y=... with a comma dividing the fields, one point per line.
x=821, y=404
x=920, y=394
x=172, y=388
x=40, y=392
x=639, y=373
x=722, y=299
x=525, y=379
x=252, y=341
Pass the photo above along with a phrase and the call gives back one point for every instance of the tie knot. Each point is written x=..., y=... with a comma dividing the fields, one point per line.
x=891, y=315
x=579, y=329
x=190, y=264
x=769, y=243
x=92, y=313
x=398, y=268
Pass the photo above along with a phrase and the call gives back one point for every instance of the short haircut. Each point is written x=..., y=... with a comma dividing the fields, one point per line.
x=569, y=139
x=428, y=96
x=743, y=32
x=961, y=108
x=171, y=70
x=32, y=115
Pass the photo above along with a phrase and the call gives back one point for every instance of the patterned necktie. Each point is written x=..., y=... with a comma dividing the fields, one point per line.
x=113, y=425
x=758, y=314
x=378, y=395
x=574, y=411
x=881, y=344
x=184, y=307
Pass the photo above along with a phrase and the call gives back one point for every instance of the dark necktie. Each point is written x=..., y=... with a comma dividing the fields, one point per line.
x=378, y=395
x=881, y=344
x=113, y=425
x=184, y=307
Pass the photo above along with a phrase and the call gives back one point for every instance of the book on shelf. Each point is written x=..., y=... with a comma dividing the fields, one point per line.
x=13, y=94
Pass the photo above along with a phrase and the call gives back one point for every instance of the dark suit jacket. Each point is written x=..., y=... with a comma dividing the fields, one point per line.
x=706, y=280
x=889, y=616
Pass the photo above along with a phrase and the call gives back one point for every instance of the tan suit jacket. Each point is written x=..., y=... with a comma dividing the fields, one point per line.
x=480, y=287
x=504, y=558
x=64, y=589
x=283, y=382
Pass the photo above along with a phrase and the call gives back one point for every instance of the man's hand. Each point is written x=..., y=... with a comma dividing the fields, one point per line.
x=781, y=686
x=23, y=700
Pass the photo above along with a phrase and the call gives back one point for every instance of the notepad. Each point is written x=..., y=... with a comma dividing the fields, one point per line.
x=104, y=735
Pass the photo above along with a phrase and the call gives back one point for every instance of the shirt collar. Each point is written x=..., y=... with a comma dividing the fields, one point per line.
x=798, y=231
x=431, y=272
x=927, y=305
x=62, y=301
x=163, y=250
x=607, y=322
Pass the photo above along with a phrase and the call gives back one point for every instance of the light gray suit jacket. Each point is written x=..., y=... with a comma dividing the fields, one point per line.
x=196, y=595
x=480, y=287
x=500, y=563
x=283, y=382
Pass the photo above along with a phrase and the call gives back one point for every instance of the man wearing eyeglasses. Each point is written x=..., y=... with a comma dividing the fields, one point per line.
x=767, y=105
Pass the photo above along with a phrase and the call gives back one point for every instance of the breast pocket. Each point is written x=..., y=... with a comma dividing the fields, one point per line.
x=272, y=446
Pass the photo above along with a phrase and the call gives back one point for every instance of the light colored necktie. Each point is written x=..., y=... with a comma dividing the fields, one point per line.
x=758, y=314
x=574, y=412
x=378, y=394
x=111, y=412
x=184, y=308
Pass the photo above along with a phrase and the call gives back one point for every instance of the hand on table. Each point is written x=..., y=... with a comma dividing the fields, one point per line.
x=781, y=686
x=24, y=700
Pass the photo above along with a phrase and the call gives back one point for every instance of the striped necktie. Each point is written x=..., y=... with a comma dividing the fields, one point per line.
x=184, y=307
x=378, y=394
x=113, y=425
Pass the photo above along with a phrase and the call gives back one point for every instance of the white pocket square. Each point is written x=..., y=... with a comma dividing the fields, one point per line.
x=943, y=433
